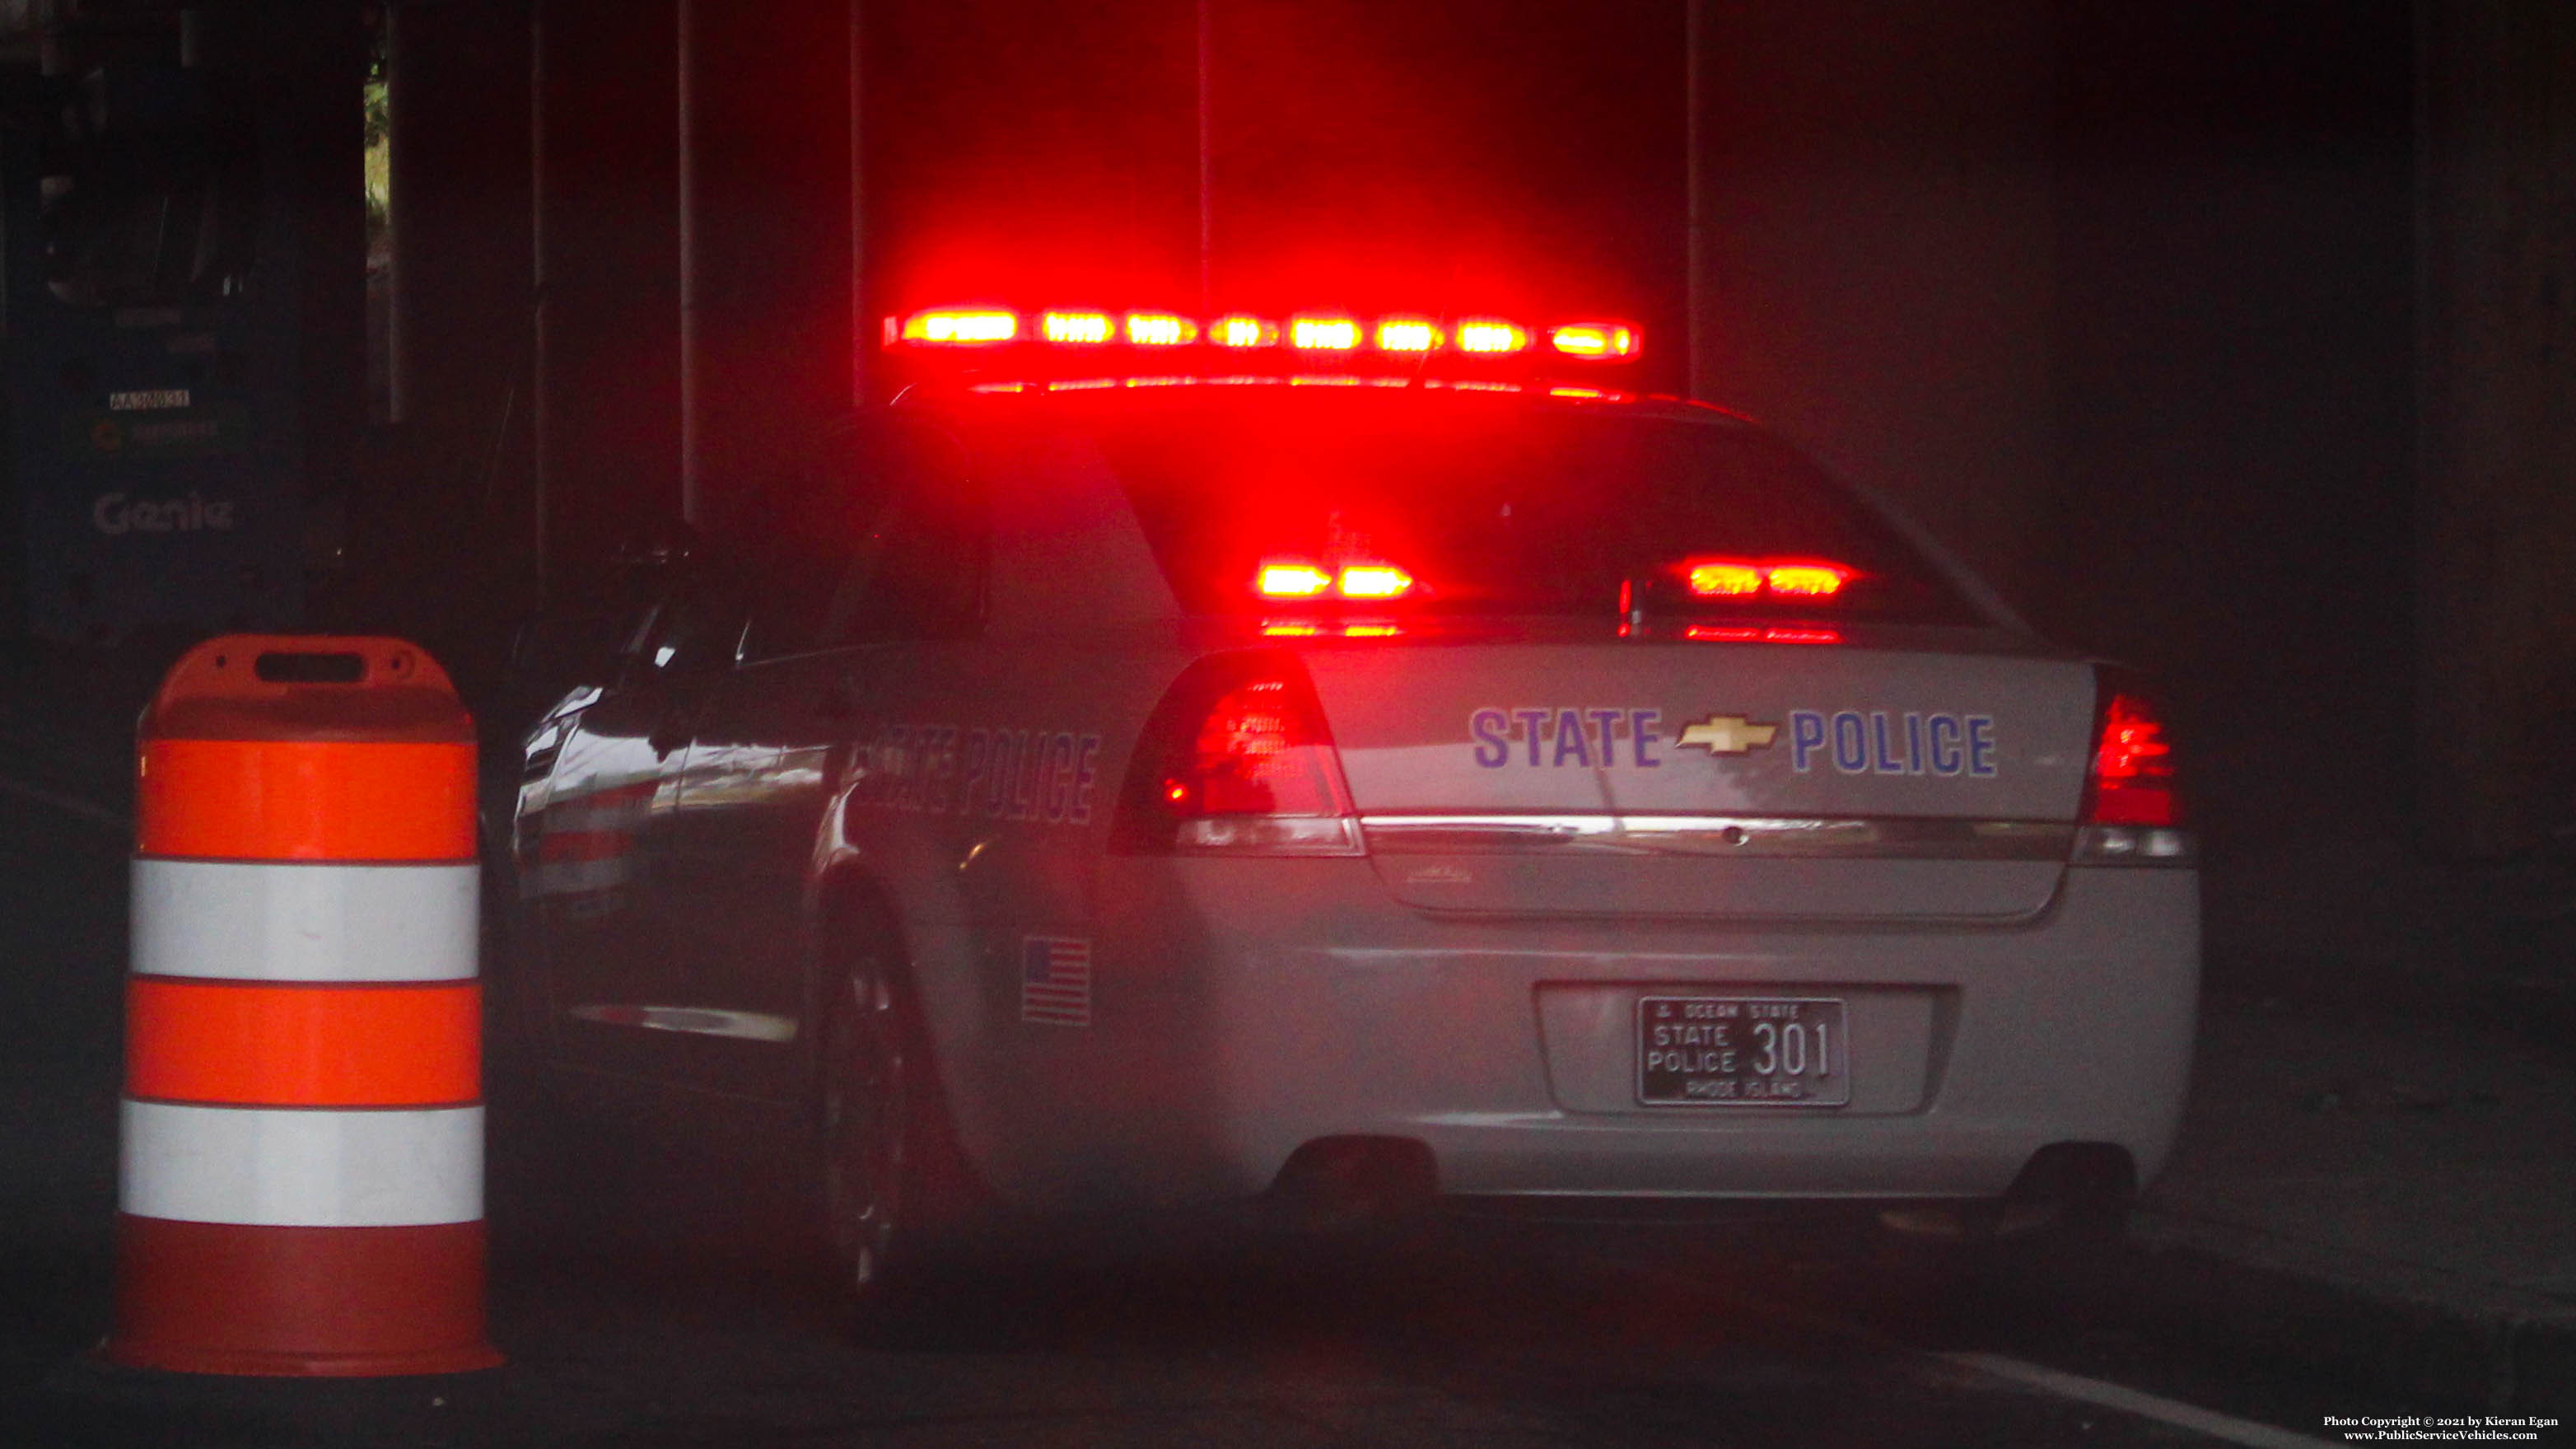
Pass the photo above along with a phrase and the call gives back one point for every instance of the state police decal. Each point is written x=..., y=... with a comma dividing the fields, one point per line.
x=1848, y=742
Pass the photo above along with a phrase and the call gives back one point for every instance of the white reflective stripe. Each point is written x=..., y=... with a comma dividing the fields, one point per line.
x=279, y=921
x=286, y=1168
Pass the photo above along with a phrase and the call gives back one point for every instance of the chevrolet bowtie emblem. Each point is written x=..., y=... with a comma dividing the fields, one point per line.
x=1727, y=734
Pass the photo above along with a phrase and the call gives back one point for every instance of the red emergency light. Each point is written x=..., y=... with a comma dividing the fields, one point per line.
x=1397, y=334
x=1595, y=341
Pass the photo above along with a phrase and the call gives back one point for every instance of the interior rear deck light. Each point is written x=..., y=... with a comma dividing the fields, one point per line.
x=1323, y=334
x=1724, y=579
x=1409, y=334
x=1808, y=580
x=1076, y=328
x=961, y=327
x=1160, y=329
x=1238, y=330
x=1595, y=341
x=1491, y=337
x=1374, y=581
x=1292, y=579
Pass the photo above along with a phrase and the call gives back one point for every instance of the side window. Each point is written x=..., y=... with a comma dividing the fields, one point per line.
x=806, y=536
x=921, y=572
x=700, y=631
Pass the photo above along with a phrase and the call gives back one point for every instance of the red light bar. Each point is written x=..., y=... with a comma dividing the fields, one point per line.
x=1491, y=336
x=1235, y=329
x=1595, y=341
x=1079, y=328
x=1160, y=329
x=1409, y=334
x=960, y=327
x=1323, y=334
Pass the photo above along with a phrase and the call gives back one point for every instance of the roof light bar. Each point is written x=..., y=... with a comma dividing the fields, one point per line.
x=1399, y=333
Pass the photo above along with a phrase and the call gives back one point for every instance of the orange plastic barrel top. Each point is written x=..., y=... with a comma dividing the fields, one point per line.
x=306, y=747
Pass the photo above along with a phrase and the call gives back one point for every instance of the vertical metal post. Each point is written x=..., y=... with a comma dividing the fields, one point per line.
x=1207, y=159
x=861, y=342
x=692, y=434
x=540, y=380
x=1694, y=382
x=398, y=298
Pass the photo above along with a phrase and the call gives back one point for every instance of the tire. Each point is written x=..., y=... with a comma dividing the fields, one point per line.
x=891, y=1179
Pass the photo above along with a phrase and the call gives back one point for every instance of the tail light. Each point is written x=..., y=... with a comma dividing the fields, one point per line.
x=1237, y=761
x=2132, y=808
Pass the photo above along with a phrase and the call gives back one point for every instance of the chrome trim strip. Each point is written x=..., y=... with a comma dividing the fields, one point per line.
x=695, y=1020
x=1845, y=837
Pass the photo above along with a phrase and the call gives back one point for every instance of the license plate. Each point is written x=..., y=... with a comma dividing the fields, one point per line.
x=1742, y=1051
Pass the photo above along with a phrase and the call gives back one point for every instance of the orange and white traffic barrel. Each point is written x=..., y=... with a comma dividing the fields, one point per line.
x=300, y=1184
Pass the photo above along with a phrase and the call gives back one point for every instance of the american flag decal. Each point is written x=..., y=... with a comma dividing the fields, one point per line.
x=1055, y=980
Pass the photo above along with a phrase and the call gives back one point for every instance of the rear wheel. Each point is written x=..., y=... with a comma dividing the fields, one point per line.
x=888, y=1201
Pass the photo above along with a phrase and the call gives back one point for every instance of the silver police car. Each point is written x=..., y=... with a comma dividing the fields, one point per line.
x=1228, y=775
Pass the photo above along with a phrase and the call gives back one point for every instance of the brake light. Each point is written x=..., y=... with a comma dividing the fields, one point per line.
x=2132, y=808
x=1238, y=330
x=1491, y=336
x=1160, y=329
x=1080, y=328
x=2132, y=766
x=1323, y=334
x=1595, y=341
x=1237, y=761
x=960, y=327
x=1409, y=334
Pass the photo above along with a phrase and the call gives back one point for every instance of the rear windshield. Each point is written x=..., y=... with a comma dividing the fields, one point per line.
x=1494, y=506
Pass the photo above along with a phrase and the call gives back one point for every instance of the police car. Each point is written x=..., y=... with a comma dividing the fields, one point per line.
x=1163, y=761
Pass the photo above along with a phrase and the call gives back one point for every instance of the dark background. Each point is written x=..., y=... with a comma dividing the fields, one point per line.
x=2226, y=338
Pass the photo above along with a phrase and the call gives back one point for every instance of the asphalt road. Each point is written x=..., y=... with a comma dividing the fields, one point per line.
x=648, y=1295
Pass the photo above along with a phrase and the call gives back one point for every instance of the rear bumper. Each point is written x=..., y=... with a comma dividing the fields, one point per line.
x=1506, y=1047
